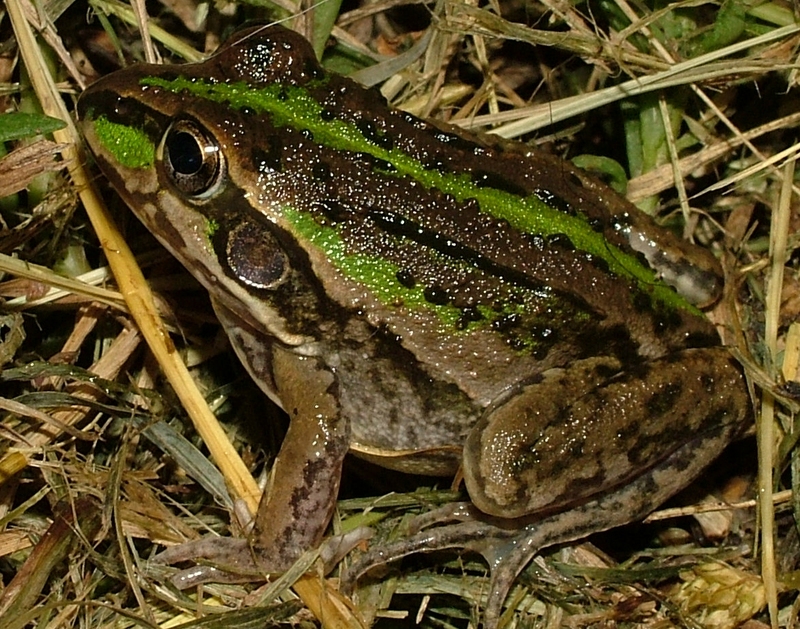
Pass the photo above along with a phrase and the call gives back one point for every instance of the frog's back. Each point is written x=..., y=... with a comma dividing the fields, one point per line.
x=441, y=268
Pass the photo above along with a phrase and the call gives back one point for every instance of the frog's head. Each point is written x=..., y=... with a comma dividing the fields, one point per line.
x=196, y=153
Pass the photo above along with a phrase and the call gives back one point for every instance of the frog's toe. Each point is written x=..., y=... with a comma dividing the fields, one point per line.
x=507, y=560
x=230, y=560
x=496, y=544
x=222, y=560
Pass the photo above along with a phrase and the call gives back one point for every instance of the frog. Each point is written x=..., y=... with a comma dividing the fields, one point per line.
x=423, y=298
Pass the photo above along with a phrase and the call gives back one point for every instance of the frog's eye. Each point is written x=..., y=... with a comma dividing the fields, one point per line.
x=191, y=158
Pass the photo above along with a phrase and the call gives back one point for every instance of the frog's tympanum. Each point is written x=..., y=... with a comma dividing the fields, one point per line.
x=423, y=299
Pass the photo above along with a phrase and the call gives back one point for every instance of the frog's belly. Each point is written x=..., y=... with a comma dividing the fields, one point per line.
x=395, y=412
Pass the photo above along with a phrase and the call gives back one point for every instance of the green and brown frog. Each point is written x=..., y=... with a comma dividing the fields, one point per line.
x=424, y=299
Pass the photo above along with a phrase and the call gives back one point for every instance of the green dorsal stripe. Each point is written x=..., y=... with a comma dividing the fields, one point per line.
x=293, y=106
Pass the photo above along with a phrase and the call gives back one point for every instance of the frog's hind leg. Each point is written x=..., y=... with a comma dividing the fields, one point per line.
x=588, y=429
x=632, y=502
x=508, y=550
x=692, y=432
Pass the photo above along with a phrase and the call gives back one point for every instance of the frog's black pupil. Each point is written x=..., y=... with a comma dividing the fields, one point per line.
x=193, y=160
x=185, y=153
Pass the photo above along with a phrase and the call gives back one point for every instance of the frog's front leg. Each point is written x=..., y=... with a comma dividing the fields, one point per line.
x=581, y=451
x=298, y=504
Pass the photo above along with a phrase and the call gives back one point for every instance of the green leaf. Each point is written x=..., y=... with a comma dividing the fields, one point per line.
x=325, y=14
x=14, y=126
x=605, y=168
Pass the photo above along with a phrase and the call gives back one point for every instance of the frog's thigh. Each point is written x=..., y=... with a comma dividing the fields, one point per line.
x=298, y=504
x=567, y=439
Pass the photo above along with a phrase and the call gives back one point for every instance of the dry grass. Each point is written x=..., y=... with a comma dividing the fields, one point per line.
x=97, y=462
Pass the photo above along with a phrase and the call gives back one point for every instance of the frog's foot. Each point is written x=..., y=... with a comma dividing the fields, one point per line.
x=506, y=550
x=230, y=560
x=220, y=560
